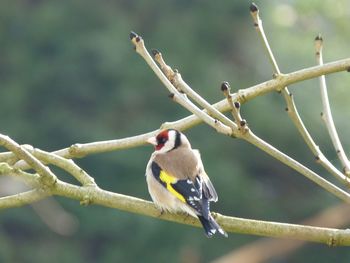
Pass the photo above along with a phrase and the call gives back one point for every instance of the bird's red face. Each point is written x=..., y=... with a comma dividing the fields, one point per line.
x=168, y=140
x=161, y=139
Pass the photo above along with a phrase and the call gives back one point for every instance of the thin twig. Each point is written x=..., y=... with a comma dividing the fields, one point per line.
x=261, y=144
x=283, y=80
x=235, y=107
x=249, y=136
x=24, y=198
x=254, y=11
x=8, y=157
x=175, y=94
x=291, y=108
x=66, y=164
x=175, y=78
x=217, y=125
x=327, y=113
x=32, y=180
x=47, y=176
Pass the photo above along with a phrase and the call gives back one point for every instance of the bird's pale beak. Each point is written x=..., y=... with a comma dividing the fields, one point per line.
x=152, y=140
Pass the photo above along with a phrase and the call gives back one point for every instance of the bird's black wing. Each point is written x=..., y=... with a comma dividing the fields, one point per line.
x=186, y=191
x=193, y=194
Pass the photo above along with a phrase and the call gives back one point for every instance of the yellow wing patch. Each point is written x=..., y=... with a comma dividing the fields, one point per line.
x=168, y=180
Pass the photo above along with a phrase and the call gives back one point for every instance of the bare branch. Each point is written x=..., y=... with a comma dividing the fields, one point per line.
x=175, y=94
x=254, y=11
x=283, y=80
x=291, y=108
x=217, y=125
x=94, y=195
x=232, y=224
x=65, y=164
x=21, y=199
x=32, y=180
x=47, y=176
x=175, y=78
x=266, y=249
x=327, y=113
x=8, y=157
x=235, y=107
x=255, y=140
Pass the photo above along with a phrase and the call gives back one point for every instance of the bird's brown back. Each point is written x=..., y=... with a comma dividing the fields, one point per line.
x=180, y=162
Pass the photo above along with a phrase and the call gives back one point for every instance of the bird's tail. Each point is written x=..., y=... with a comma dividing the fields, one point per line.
x=210, y=226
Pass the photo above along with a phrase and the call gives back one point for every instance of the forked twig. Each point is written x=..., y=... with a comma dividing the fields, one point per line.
x=47, y=176
x=65, y=164
x=291, y=108
x=175, y=78
x=175, y=94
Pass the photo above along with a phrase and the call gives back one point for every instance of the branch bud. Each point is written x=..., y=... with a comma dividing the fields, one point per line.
x=135, y=36
x=318, y=44
x=319, y=37
x=132, y=35
x=155, y=52
x=243, y=123
x=253, y=8
x=225, y=86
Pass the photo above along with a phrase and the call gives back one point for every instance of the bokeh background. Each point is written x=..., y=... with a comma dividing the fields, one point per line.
x=69, y=74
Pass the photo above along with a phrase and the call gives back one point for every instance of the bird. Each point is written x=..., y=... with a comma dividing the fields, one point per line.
x=177, y=181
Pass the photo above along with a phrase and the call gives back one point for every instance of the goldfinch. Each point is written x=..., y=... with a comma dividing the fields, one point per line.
x=177, y=181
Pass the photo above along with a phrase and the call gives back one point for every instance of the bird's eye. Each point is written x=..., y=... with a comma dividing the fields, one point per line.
x=161, y=140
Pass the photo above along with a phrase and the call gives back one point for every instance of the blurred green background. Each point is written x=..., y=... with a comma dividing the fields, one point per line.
x=69, y=74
